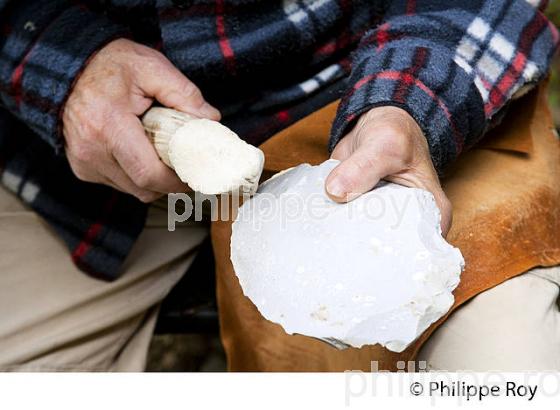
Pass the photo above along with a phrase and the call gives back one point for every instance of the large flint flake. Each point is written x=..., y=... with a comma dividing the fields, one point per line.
x=375, y=270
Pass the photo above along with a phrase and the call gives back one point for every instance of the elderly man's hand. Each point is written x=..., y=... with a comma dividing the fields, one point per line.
x=105, y=141
x=386, y=143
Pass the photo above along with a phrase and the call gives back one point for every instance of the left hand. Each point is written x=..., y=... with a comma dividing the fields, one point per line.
x=386, y=143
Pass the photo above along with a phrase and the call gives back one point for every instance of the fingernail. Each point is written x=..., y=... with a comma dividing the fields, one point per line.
x=336, y=187
x=208, y=111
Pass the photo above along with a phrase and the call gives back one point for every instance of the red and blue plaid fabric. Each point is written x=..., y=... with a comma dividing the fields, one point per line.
x=453, y=65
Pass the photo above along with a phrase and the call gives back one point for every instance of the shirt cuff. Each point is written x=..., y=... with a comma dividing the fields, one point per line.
x=45, y=76
x=439, y=95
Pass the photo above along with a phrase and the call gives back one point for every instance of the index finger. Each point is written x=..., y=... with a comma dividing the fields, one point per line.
x=139, y=160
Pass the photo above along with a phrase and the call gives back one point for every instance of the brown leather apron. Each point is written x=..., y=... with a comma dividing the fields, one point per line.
x=505, y=195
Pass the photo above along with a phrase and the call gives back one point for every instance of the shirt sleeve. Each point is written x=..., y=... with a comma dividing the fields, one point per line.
x=43, y=48
x=452, y=65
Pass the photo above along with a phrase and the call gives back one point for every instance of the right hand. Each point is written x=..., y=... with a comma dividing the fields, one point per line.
x=386, y=143
x=105, y=140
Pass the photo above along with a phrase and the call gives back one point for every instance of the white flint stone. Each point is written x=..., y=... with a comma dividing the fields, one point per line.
x=205, y=154
x=375, y=270
x=212, y=159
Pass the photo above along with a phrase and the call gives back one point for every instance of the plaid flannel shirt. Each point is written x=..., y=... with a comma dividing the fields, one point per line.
x=453, y=65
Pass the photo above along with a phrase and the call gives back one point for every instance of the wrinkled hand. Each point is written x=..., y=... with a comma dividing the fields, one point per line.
x=105, y=141
x=388, y=144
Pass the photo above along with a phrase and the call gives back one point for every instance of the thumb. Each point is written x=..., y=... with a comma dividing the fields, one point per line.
x=357, y=174
x=174, y=90
x=362, y=170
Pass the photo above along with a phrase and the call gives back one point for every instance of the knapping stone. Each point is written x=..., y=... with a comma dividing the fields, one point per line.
x=375, y=270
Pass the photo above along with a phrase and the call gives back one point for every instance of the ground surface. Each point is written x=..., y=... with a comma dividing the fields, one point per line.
x=186, y=353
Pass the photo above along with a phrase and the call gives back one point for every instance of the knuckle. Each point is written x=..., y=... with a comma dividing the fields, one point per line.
x=88, y=120
x=395, y=145
x=146, y=52
x=349, y=176
x=143, y=178
x=146, y=59
x=147, y=197
x=362, y=164
x=191, y=91
x=139, y=56
x=82, y=153
x=112, y=132
x=150, y=62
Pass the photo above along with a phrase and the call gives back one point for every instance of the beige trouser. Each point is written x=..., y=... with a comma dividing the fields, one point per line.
x=55, y=318
x=514, y=326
